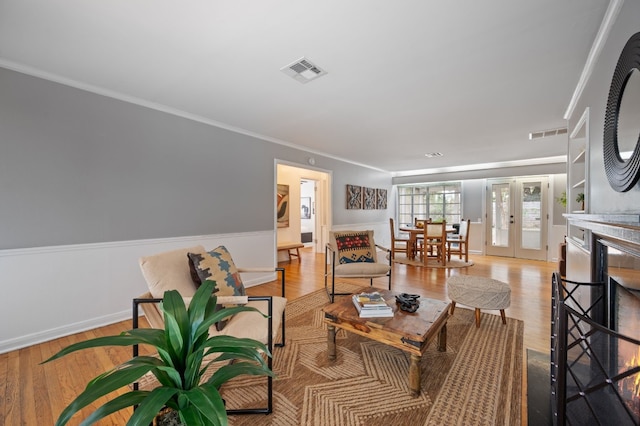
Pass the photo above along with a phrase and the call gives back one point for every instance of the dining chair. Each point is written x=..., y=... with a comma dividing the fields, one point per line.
x=420, y=222
x=434, y=242
x=459, y=243
x=398, y=244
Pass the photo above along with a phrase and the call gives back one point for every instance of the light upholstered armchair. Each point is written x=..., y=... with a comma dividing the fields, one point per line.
x=353, y=254
x=183, y=269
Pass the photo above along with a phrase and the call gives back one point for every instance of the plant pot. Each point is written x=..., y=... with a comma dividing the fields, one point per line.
x=167, y=417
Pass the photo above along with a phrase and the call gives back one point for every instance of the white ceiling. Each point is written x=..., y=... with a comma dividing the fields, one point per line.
x=467, y=78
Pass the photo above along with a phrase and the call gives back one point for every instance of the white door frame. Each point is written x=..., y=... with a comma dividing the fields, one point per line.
x=511, y=240
x=322, y=200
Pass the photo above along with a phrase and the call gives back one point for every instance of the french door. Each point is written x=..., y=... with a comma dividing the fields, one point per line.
x=517, y=217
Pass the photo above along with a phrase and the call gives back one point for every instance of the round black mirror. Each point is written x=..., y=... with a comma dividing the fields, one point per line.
x=622, y=120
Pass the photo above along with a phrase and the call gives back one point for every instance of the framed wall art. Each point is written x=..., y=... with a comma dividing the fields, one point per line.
x=369, y=197
x=381, y=199
x=283, y=206
x=354, y=197
x=305, y=207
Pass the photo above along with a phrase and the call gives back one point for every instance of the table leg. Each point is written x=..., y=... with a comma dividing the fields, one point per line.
x=413, y=242
x=331, y=342
x=414, y=375
x=442, y=339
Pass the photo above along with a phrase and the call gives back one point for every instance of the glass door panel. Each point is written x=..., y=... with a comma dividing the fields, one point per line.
x=500, y=218
x=501, y=215
x=531, y=214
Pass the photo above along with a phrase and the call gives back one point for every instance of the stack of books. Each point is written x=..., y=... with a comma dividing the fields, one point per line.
x=371, y=305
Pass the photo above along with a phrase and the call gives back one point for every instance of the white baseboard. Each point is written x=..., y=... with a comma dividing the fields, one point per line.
x=46, y=335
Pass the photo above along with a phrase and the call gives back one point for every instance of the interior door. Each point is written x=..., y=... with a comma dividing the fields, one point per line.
x=531, y=218
x=517, y=218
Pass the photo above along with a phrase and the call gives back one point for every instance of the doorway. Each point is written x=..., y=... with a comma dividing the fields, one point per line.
x=516, y=217
x=308, y=190
x=310, y=205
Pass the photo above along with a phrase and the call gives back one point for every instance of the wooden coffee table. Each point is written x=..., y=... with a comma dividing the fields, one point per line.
x=410, y=332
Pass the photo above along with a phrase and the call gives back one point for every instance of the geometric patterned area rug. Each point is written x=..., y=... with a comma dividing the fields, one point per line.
x=477, y=381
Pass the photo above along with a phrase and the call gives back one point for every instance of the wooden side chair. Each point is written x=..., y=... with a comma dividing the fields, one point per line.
x=459, y=243
x=420, y=223
x=434, y=242
x=398, y=244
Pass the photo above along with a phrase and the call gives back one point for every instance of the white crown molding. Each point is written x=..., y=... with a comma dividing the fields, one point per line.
x=485, y=166
x=603, y=32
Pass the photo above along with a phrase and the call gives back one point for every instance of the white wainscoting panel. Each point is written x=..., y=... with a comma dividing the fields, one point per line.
x=476, y=237
x=50, y=292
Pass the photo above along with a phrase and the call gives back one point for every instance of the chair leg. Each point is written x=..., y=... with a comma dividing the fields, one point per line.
x=444, y=254
x=269, y=407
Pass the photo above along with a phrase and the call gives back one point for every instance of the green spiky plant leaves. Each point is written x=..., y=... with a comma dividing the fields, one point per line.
x=179, y=368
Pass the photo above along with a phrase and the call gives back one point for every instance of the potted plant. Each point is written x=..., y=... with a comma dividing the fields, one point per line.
x=181, y=347
x=580, y=199
x=562, y=199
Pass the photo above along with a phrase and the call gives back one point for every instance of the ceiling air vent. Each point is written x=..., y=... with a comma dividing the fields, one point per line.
x=547, y=133
x=303, y=70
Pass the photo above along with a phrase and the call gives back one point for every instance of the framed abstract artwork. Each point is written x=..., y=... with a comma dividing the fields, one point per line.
x=381, y=199
x=369, y=198
x=282, y=209
x=305, y=207
x=354, y=197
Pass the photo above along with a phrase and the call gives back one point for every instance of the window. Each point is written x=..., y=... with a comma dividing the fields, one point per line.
x=437, y=201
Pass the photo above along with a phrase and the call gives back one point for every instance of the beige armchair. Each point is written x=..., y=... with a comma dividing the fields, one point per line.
x=171, y=271
x=353, y=254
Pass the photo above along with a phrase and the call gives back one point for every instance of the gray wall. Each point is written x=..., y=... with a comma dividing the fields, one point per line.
x=77, y=167
x=602, y=198
x=472, y=199
x=359, y=177
x=559, y=186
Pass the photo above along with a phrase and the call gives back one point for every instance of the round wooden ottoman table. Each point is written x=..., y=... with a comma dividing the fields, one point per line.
x=479, y=293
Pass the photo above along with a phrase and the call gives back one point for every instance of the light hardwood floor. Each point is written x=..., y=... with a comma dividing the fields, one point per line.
x=34, y=394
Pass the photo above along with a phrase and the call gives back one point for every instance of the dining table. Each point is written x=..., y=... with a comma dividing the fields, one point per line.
x=414, y=232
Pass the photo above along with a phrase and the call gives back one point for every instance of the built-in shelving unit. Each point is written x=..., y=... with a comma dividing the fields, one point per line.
x=578, y=173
